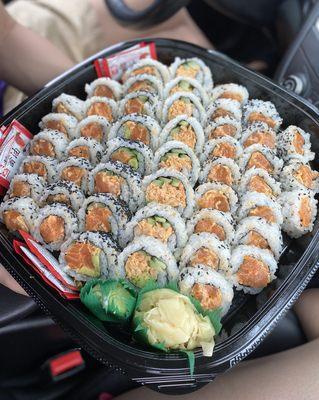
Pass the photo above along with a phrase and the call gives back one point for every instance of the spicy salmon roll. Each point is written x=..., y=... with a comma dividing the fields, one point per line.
x=222, y=170
x=87, y=148
x=299, y=175
x=54, y=224
x=183, y=84
x=144, y=83
x=259, y=156
x=259, y=133
x=141, y=102
x=70, y=105
x=49, y=143
x=18, y=213
x=67, y=193
x=45, y=167
x=252, y=268
x=170, y=188
x=216, y=196
x=74, y=170
x=223, y=126
x=104, y=87
x=231, y=91
x=147, y=258
x=226, y=147
x=259, y=180
x=207, y=286
x=94, y=127
x=101, y=106
x=294, y=143
x=89, y=255
x=193, y=68
x=224, y=108
x=262, y=111
x=148, y=66
x=177, y=156
x=61, y=122
x=26, y=185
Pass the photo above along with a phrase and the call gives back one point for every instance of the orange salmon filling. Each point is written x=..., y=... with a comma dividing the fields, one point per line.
x=224, y=150
x=56, y=125
x=232, y=96
x=52, y=229
x=258, y=160
x=257, y=184
x=138, y=132
x=156, y=230
x=134, y=105
x=166, y=194
x=81, y=255
x=121, y=155
x=103, y=91
x=145, y=70
x=264, y=138
x=253, y=273
x=105, y=183
x=141, y=85
x=223, y=130
x=185, y=135
x=43, y=148
x=138, y=269
x=305, y=176
x=80, y=151
x=210, y=226
x=214, y=199
x=176, y=163
x=20, y=189
x=97, y=218
x=73, y=174
x=189, y=71
x=58, y=198
x=259, y=117
x=263, y=212
x=255, y=239
x=305, y=212
x=35, y=167
x=298, y=142
x=209, y=297
x=14, y=221
x=205, y=256
x=61, y=108
x=178, y=88
x=220, y=112
x=101, y=109
x=180, y=107
x=220, y=173
x=93, y=130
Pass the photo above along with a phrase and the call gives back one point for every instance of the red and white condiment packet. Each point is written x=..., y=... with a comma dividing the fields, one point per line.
x=3, y=128
x=115, y=65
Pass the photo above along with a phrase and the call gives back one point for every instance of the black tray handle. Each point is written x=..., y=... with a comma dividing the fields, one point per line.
x=159, y=11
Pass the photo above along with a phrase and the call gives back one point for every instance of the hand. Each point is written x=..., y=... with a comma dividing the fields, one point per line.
x=7, y=280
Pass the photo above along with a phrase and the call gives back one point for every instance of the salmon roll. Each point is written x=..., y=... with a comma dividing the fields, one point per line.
x=226, y=147
x=259, y=156
x=148, y=66
x=160, y=222
x=294, y=143
x=67, y=193
x=49, y=143
x=101, y=106
x=75, y=170
x=117, y=179
x=178, y=157
x=231, y=91
x=54, y=224
x=45, y=167
x=207, y=286
x=299, y=175
x=299, y=210
x=215, y=222
x=61, y=122
x=259, y=133
x=136, y=155
x=104, y=87
x=216, y=196
x=259, y=180
x=147, y=258
x=206, y=249
x=255, y=231
x=252, y=268
x=260, y=205
x=144, y=83
x=193, y=68
x=89, y=255
x=138, y=128
x=18, y=213
x=183, y=103
x=87, y=148
x=141, y=102
x=184, y=84
x=103, y=212
x=223, y=126
x=221, y=170
x=26, y=185
x=224, y=108
x=262, y=111
x=70, y=105
x=94, y=127
x=169, y=188
x=185, y=130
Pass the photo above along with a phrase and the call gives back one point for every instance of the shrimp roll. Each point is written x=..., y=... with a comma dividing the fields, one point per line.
x=18, y=213
x=262, y=111
x=294, y=143
x=61, y=122
x=141, y=102
x=225, y=146
x=259, y=133
x=259, y=156
x=70, y=105
x=148, y=66
x=67, y=193
x=104, y=87
x=223, y=126
x=26, y=185
x=49, y=143
x=183, y=103
x=259, y=180
x=193, y=68
x=216, y=196
x=101, y=106
x=87, y=148
x=222, y=170
x=94, y=127
x=145, y=83
x=75, y=170
x=299, y=175
x=45, y=167
x=184, y=84
x=231, y=91
x=224, y=108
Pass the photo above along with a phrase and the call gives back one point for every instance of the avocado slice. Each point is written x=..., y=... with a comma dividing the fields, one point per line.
x=175, y=131
x=151, y=221
x=126, y=132
x=133, y=163
x=191, y=64
x=157, y=264
x=159, y=219
x=184, y=85
x=143, y=98
x=183, y=123
x=158, y=182
x=175, y=182
x=165, y=180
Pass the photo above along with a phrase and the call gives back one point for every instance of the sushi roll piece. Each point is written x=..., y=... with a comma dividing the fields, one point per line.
x=136, y=155
x=261, y=111
x=18, y=213
x=26, y=185
x=224, y=108
x=117, y=179
x=67, y=193
x=215, y=222
x=61, y=122
x=101, y=106
x=207, y=286
x=206, y=249
x=259, y=156
x=226, y=147
x=169, y=188
x=299, y=175
x=148, y=66
x=144, y=83
x=252, y=268
x=94, y=127
x=138, y=128
x=299, y=210
x=259, y=133
x=184, y=84
x=186, y=130
x=49, y=143
x=193, y=68
x=255, y=204
x=87, y=148
x=141, y=102
x=222, y=170
x=147, y=258
x=255, y=231
x=70, y=105
x=75, y=170
x=89, y=255
x=231, y=91
x=216, y=196
x=294, y=143
x=45, y=167
x=177, y=156
x=259, y=180
x=183, y=103
x=104, y=87
x=103, y=212
x=160, y=222
x=54, y=224
x=223, y=126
